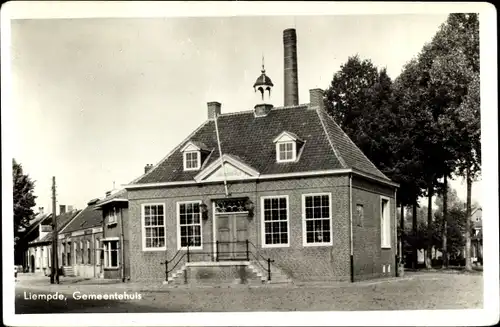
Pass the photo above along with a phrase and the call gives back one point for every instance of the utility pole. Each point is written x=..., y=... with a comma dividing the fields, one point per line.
x=54, y=276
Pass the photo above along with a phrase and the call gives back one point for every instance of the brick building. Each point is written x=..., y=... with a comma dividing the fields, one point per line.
x=79, y=252
x=284, y=183
x=39, y=253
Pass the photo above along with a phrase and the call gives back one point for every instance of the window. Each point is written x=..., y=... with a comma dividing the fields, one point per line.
x=154, y=227
x=112, y=216
x=286, y=151
x=189, y=222
x=275, y=221
x=89, y=258
x=111, y=254
x=191, y=160
x=385, y=222
x=360, y=215
x=316, y=209
x=97, y=252
x=81, y=252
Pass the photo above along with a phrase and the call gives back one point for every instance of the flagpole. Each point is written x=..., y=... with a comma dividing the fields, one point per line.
x=220, y=155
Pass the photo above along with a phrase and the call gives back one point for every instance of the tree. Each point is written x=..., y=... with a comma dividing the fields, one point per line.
x=24, y=199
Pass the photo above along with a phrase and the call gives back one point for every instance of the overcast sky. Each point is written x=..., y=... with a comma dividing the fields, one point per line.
x=97, y=99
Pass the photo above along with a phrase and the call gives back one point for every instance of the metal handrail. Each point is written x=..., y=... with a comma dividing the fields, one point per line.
x=216, y=255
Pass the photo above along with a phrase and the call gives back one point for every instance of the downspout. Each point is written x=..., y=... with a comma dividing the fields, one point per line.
x=351, y=243
x=398, y=248
x=122, y=247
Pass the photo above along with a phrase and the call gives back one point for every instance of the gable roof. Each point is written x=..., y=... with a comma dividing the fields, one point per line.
x=61, y=221
x=87, y=218
x=250, y=139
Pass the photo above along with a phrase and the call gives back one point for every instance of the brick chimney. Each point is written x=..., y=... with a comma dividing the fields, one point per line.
x=62, y=209
x=70, y=208
x=213, y=109
x=147, y=168
x=290, y=64
x=316, y=99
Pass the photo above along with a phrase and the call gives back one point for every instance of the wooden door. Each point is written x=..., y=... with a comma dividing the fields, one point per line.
x=232, y=233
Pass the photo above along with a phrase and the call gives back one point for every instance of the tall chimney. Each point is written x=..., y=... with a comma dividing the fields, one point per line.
x=291, y=76
x=213, y=109
x=40, y=210
x=62, y=209
x=147, y=168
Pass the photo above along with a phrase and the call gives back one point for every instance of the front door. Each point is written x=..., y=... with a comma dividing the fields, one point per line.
x=232, y=234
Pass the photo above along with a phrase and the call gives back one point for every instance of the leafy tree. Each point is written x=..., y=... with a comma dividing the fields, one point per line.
x=24, y=199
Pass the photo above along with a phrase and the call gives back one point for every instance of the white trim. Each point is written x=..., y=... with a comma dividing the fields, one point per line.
x=198, y=160
x=386, y=245
x=304, y=234
x=178, y=205
x=96, y=230
x=271, y=176
x=231, y=160
x=189, y=147
x=290, y=137
x=262, y=222
x=114, y=238
x=78, y=233
x=107, y=253
x=143, y=229
x=294, y=151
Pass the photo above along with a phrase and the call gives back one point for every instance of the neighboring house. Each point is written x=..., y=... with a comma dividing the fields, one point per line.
x=40, y=250
x=36, y=229
x=79, y=243
x=477, y=237
x=289, y=185
x=114, y=241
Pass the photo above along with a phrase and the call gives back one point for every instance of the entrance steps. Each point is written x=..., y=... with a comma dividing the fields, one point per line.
x=225, y=272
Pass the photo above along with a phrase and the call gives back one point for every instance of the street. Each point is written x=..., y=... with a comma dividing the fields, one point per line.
x=414, y=291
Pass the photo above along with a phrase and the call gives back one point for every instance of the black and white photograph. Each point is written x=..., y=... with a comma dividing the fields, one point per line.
x=249, y=163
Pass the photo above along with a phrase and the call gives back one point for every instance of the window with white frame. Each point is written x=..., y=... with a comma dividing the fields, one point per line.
x=286, y=151
x=317, y=219
x=385, y=222
x=189, y=218
x=154, y=226
x=111, y=257
x=192, y=160
x=275, y=221
x=97, y=252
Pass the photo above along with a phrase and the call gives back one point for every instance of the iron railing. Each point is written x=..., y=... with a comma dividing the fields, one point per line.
x=218, y=254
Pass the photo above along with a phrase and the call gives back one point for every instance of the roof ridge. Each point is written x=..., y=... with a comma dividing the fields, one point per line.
x=352, y=142
x=335, y=151
x=171, y=152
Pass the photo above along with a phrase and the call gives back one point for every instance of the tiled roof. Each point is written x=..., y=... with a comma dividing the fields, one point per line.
x=251, y=138
x=61, y=221
x=87, y=218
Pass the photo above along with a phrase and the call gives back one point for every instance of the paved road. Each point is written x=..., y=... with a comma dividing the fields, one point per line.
x=419, y=291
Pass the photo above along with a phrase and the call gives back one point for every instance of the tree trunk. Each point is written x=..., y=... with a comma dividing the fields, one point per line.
x=414, y=230
x=445, y=224
x=468, y=265
x=428, y=256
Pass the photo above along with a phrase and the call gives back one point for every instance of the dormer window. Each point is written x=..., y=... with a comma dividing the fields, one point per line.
x=192, y=160
x=193, y=155
x=288, y=146
x=286, y=151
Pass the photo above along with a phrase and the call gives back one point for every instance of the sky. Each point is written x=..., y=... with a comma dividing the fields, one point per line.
x=95, y=100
